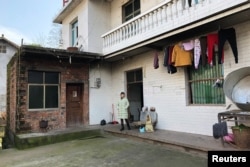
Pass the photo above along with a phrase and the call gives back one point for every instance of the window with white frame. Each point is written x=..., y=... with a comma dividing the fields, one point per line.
x=43, y=89
x=3, y=49
x=74, y=33
x=206, y=84
x=131, y=9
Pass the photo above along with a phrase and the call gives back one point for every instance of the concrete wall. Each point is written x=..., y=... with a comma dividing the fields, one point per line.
x=4, y=59
x=90, y=15
x=80, y=13
x=100, y=99
x=116, y=9
x=168, y=92
x=98, y=24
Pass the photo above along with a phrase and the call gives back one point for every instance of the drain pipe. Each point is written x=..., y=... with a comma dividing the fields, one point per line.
x=18, y=86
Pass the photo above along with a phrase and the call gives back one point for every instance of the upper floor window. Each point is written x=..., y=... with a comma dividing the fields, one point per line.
x=43, y=89
x=131, y=9
x=3, y=49
x=74, y=33
x=205, y=84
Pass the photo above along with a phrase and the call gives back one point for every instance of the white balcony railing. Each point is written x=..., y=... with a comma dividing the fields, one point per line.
x=163, y=18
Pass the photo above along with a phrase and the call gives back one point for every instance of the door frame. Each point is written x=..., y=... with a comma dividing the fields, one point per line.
x=81, y=85
x=140, y=83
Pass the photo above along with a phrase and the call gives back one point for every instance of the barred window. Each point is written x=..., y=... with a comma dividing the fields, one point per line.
x=206, y=84
x=43, y=89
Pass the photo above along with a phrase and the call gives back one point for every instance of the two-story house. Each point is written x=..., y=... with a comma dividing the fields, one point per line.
x=7, y=50
x=168, y=54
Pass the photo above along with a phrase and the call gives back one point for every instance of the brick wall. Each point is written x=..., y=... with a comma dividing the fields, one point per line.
x=11, y=94
x=76, y=72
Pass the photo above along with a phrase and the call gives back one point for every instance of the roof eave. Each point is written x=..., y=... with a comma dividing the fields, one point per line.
x=61, y=52
x=9, y=42
x=66, y=11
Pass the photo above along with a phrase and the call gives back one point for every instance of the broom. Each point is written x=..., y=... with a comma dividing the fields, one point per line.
x=113, y=115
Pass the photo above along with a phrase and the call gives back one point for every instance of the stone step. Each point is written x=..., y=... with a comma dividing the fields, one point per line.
x=24, y=141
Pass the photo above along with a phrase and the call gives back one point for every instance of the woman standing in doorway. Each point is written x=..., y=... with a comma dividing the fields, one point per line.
x=122, y=108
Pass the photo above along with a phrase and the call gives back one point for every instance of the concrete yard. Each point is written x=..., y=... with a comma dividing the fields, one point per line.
x=103, y=151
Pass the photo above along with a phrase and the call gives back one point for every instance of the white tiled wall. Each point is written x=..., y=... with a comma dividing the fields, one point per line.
x=168, y=93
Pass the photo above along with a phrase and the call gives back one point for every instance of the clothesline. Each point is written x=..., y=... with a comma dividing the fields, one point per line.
x=200, y=50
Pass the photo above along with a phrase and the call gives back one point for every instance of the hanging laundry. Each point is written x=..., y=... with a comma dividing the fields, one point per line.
x=166, y=56
x=212, y=39
x=203, y=43
x=188, y=45
x=227, y=34
x=156, y=61
x=172, y=68
x=180, y=57
x=167, y=60
x=197, y=53
x=183, y=3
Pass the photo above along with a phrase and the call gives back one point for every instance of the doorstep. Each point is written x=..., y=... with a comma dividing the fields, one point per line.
x=187, y=142
x=29, y=140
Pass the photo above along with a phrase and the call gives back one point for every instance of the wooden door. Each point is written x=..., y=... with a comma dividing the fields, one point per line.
x=74, y=112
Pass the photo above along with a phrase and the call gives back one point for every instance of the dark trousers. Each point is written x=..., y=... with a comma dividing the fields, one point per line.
x=223, y=35
x=168, y=60
x=183, y=2
x=203, y=42
x=122, y=124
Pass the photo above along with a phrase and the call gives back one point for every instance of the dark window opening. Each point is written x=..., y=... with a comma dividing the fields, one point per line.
x=43, y=89
x=135, y=93
x=35, y=97
x=134, y=76
x=51, y=96
x=131, y=9
x=3, y=49
x=35, y=77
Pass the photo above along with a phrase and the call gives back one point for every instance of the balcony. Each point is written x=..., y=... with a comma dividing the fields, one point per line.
x=166, y=19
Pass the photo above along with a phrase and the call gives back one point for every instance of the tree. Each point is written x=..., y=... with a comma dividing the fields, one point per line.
x=40, y=40
x=54, y=39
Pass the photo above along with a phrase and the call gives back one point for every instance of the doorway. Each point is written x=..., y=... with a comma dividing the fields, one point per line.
x=74, y=107
x=135, y=93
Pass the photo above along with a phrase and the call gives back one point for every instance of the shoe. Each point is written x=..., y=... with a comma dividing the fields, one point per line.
x=121, y=129
x=129, y=128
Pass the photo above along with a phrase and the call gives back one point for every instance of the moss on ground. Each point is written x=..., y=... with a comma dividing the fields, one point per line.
x=29, y=142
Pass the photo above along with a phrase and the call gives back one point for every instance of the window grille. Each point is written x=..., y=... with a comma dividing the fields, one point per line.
x=206, y=84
